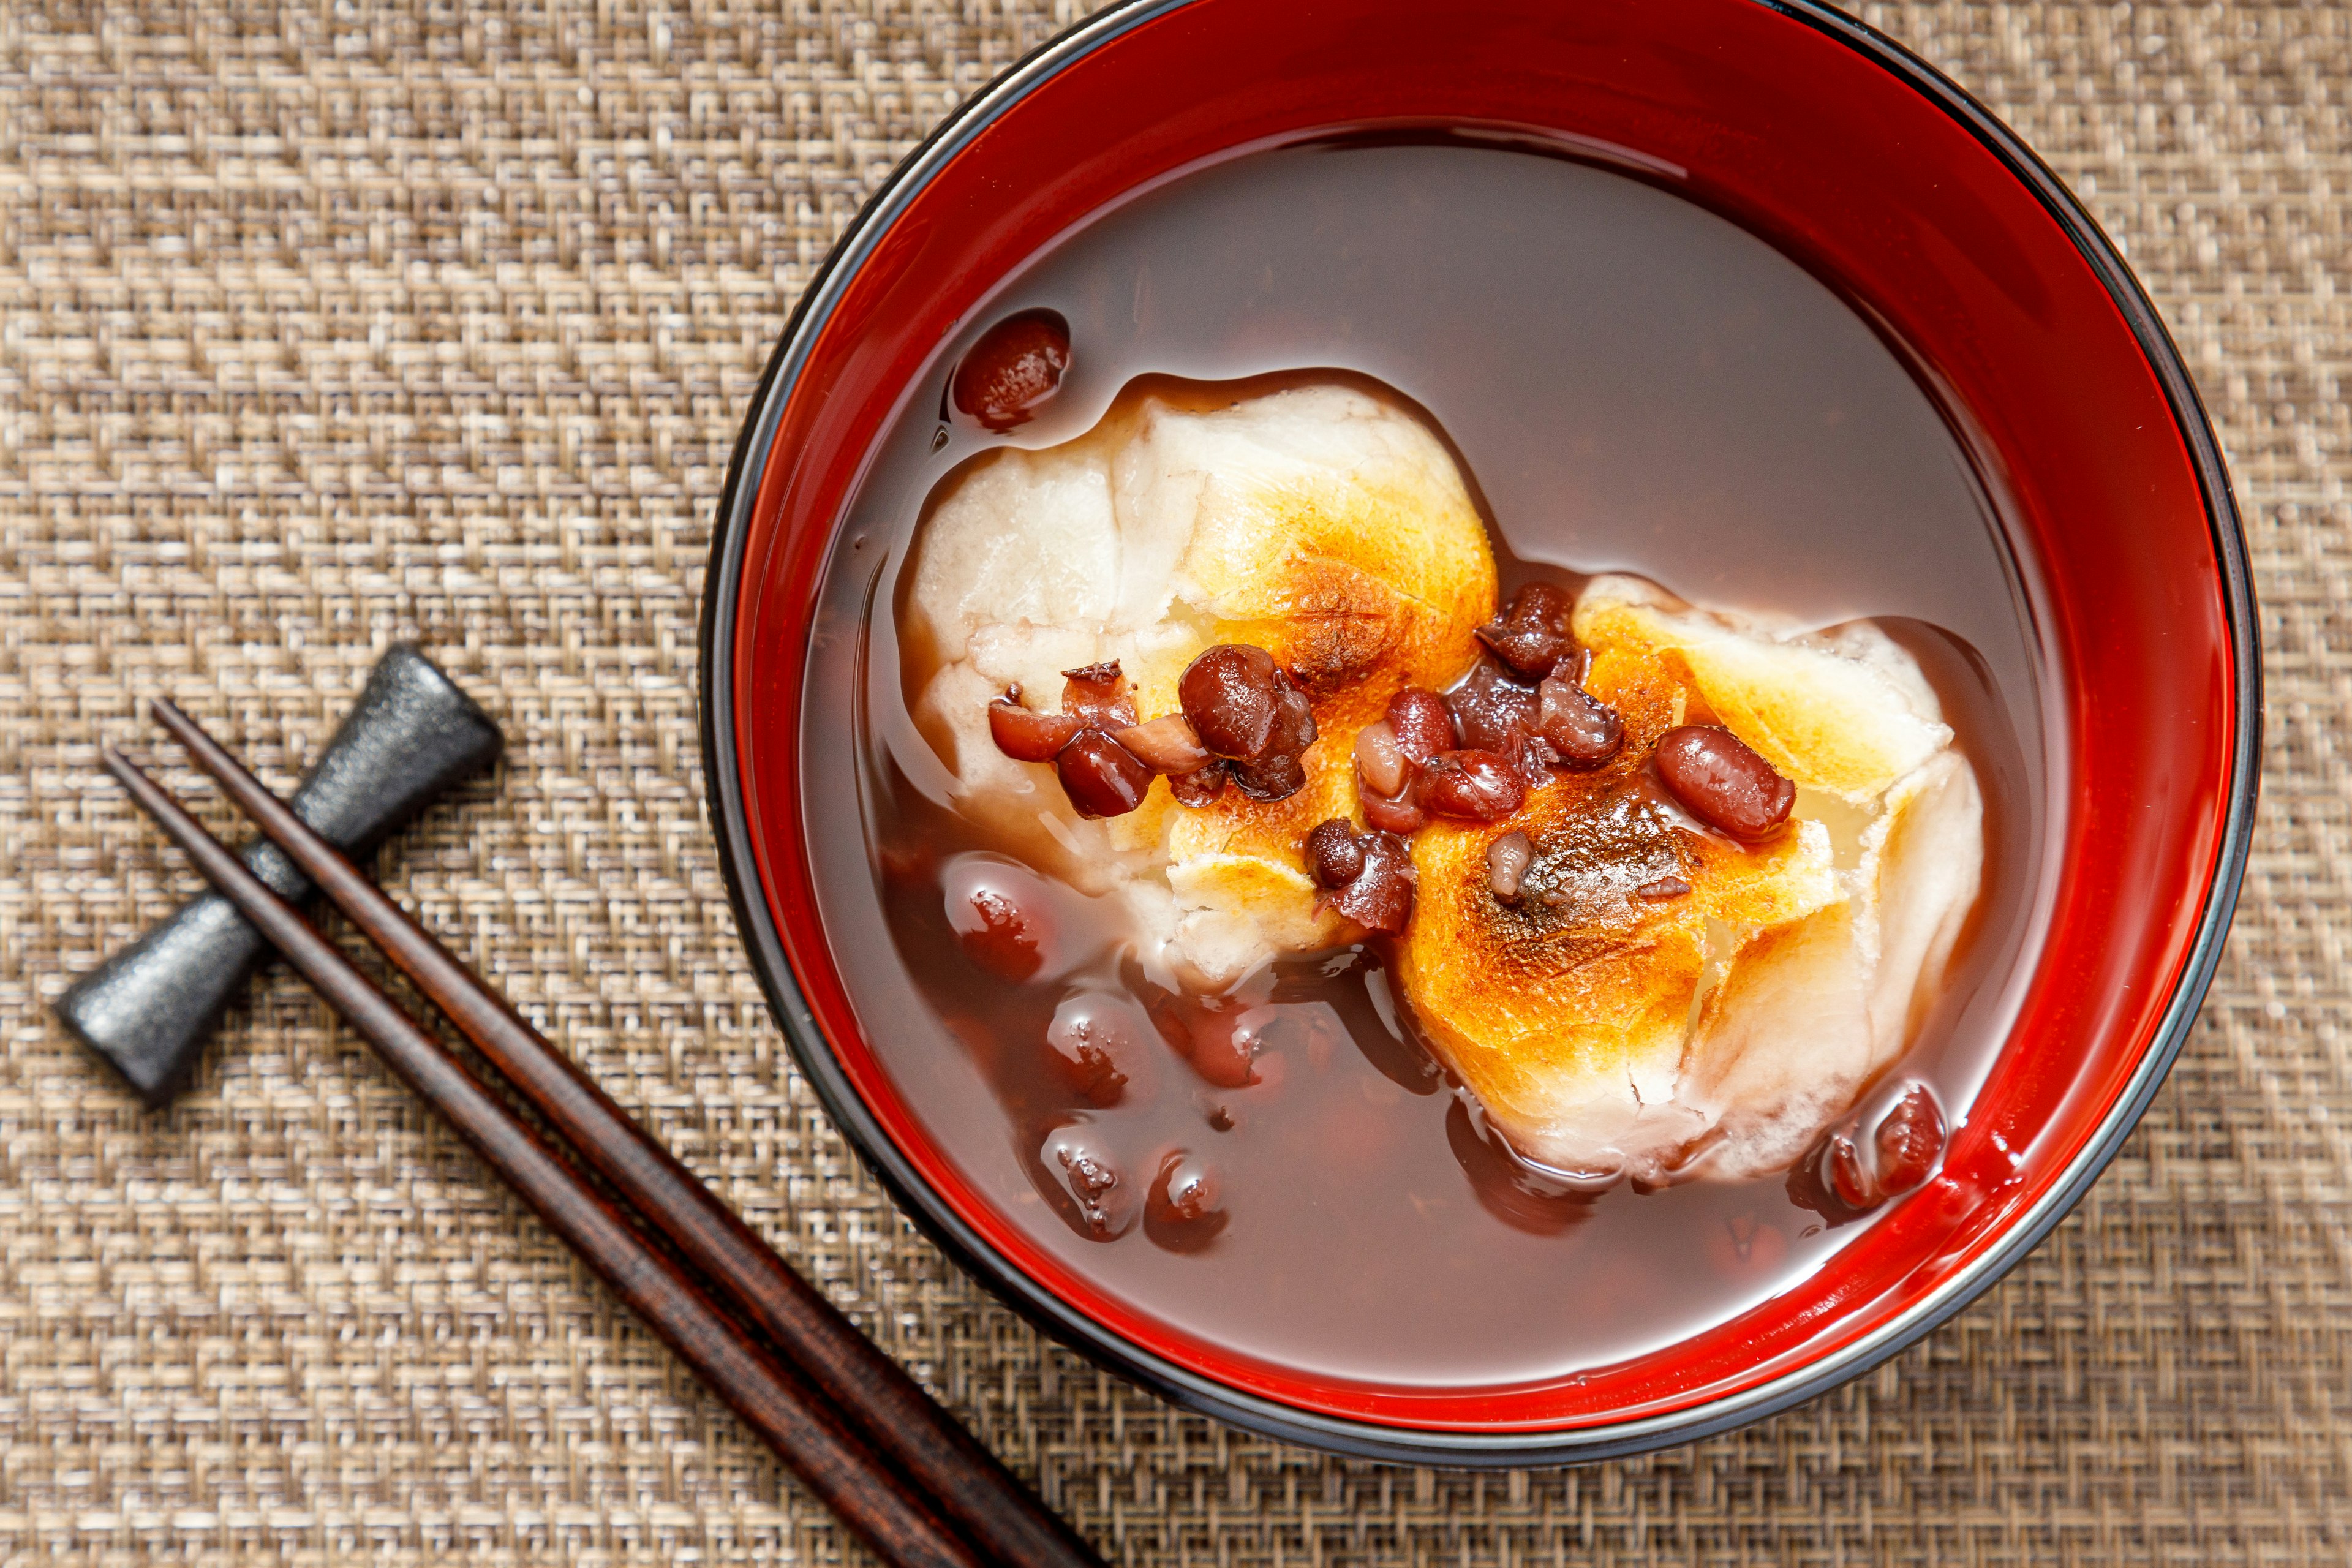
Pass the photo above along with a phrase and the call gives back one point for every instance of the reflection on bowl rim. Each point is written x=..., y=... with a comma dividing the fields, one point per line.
x=1386, y=1440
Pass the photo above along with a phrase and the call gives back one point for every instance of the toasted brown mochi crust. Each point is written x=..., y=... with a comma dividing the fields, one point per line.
x=1564, y=1008
x=1358, y=592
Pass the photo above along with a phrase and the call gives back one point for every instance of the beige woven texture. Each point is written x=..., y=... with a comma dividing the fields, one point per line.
x=322, y=327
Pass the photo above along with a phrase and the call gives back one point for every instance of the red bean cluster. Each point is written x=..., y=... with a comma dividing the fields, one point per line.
x=1101, y=776
x=1244, y=719
x=1474, y=754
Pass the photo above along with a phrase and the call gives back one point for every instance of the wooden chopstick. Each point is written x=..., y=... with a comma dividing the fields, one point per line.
x=804, y=1428
x=965, y=1482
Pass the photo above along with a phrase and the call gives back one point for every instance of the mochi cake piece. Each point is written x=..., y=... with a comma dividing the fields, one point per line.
x=1318, y=522
x=1657, y=999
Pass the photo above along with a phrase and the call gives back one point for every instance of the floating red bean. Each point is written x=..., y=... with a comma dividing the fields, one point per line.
x=1086, y=1182
x=1094, y=1046
x=1333, y=856
x=1027, y=735
x=1232, y=693
x=1224, y=1048
x=1101, y=777
x=1380, y=898
x=1507, y=860
x=1849, y=1179
x=1015, y=368
x=1531, y=635
x=1422, y=724
x=1185, y=1190
x=1910, y=1140
x=1723, y=784
x=1200, y=787
x=1581, y=729
x=1184, y=1211
x=1662, y=888
x=1472, y=785
x=1001, y=915
x=1491, y=709
x=1099, y=695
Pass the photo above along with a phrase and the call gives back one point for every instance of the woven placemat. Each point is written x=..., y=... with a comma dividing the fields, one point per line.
x=329, y=325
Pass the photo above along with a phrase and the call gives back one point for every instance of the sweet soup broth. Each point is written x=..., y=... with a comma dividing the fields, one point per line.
x=1631, y=383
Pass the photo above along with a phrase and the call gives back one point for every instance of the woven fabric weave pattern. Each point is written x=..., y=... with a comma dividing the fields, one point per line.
x=326, y=326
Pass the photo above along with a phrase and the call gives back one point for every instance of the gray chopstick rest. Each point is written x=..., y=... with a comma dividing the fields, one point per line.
x=411, y=738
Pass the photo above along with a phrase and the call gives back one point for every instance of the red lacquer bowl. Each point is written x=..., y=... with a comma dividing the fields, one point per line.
x=1888, y=182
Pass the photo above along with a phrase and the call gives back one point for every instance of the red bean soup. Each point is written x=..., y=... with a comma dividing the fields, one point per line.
x=1629, y=384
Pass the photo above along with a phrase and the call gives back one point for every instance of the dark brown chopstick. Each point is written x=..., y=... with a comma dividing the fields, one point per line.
x=963, y=1480
x=798, y=1423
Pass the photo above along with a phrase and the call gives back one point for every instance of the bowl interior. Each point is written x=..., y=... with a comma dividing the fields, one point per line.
x=2013, y=315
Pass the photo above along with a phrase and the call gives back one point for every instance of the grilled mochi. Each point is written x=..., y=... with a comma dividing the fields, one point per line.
x=1318, y=522
x=1657, y=999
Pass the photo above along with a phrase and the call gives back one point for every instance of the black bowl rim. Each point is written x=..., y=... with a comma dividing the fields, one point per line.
x=1374, y=1440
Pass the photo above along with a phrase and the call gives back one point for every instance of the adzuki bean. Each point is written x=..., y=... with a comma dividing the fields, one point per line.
x=1222, y=1049
x=1166, y=745
x=1506, y=861
x=1382, y=765
x=1233, y=694
x=1013, y=370
x=1333, y=856
x=1091, y=1043
x=1184, y=1212
x=1583, y=730
x=1003, y=932
x=1100, y=1204
x=1101, y=777
x=1294, y=724
x=1244, y=708
x=1027, y=735
x=1399, y=815
x=1185, y=1192
x=1370, y=875
x=1099, y=695
x=1276, y=777
x=1471, y=784
x=1200, y=787
x=1531, y=635
x=1910, y=1140
x=1492, y=710
x=1848, y=1178
x=1380, y=898
x=1722, y=782
x=1422, y=726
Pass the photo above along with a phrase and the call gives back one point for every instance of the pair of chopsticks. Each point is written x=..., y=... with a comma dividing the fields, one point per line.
x=896, y=1468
